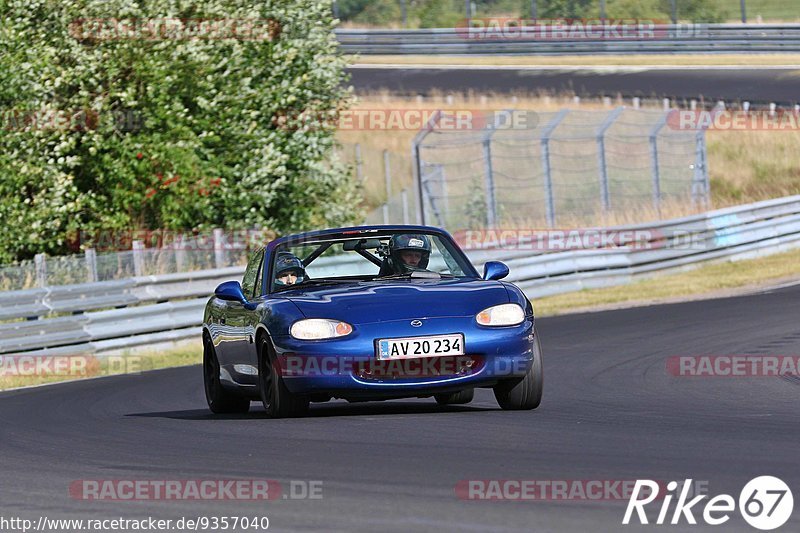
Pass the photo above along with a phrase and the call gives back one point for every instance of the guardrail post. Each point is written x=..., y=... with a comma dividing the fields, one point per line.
x=385, y=208
x=40, y=264
x=219, y=248
x=550, y=209
x=654, y=161
x=601, y=154
x=138, y=258
x=488, y=174
x=404, y=197
x=91, y=265
x=417, y=163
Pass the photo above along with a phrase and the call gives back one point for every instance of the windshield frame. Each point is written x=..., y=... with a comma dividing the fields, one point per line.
x=284, y=245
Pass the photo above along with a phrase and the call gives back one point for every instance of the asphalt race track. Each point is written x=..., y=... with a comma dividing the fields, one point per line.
x=610, y=412
x=757, y=85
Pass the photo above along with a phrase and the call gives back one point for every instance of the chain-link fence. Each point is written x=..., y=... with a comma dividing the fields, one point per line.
x=558, y=168
x=183, y=253
x=408, y=14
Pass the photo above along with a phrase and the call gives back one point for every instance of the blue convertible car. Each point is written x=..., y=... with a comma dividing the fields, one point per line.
x=368, y=313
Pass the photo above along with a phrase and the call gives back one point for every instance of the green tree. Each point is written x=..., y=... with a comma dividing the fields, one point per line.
x=380, y=13
x=177, y=131
x=556, y=9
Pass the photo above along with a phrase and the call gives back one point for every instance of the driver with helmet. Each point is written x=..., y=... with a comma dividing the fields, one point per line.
x=407, y=252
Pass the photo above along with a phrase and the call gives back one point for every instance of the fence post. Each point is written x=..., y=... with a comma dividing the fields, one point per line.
x=601, y=154
x=387, y=174
x=743, y=6
x=91, y=265
x=654, y=161
x=700, y=181
x=180, y=253
x=219, y=248
x=550, y=210
x=138, y=258
x=359, y=164
x=385, y=208
x=491, y=202
x=417, y=163
x=40, y=263
x=404, y=197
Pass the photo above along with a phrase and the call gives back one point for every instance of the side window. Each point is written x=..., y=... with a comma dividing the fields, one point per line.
x=259, y=278
x=251, y=273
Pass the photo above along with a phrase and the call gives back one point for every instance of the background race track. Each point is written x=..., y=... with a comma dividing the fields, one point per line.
x=609, y=412
x=761, y=84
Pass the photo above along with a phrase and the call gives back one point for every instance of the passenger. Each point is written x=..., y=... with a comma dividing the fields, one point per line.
x=289, y=270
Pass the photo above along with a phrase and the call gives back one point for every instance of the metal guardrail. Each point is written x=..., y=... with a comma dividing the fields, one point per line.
x=681, y=38
x=170, y=307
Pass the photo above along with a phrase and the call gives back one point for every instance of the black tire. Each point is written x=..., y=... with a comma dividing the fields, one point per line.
x=455, y=398
x=220, y=401
x=278, y=401
x=523, y=393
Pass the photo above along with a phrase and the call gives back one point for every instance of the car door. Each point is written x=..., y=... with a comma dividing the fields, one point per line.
x=238, y=356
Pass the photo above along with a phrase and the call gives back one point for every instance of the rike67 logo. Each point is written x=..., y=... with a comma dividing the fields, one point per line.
x=766, y=503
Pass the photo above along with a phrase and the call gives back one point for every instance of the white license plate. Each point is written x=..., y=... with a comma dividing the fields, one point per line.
x=414, y=347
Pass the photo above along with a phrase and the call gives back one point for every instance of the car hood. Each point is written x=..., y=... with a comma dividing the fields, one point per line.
x=381, y=301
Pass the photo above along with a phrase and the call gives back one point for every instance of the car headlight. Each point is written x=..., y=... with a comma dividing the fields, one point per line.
x=319, y=328
x=501, y=315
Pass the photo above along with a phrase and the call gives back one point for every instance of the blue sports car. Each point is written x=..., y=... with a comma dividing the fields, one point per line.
x=368, y=313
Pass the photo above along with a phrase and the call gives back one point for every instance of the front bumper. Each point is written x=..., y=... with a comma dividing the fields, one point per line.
x=348, y=367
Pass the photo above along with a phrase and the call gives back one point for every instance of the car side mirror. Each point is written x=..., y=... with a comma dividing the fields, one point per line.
x=230, y=291
x=494, y=270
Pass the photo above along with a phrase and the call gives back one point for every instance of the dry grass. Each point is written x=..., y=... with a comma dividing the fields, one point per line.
x=748, y=166
x=705, y=280
x=736, y=60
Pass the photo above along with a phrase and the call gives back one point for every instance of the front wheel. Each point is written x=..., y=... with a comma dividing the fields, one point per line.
x=455, y=398
x=526, y=393
x=219, y=400
x=278, y=401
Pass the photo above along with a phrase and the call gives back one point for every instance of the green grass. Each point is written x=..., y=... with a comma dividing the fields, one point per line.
x=771, y=10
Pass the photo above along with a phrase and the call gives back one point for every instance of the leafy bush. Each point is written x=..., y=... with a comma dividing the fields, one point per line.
x=156, y=131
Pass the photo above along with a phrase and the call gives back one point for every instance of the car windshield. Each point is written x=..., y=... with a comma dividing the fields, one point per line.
x=378, y=256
